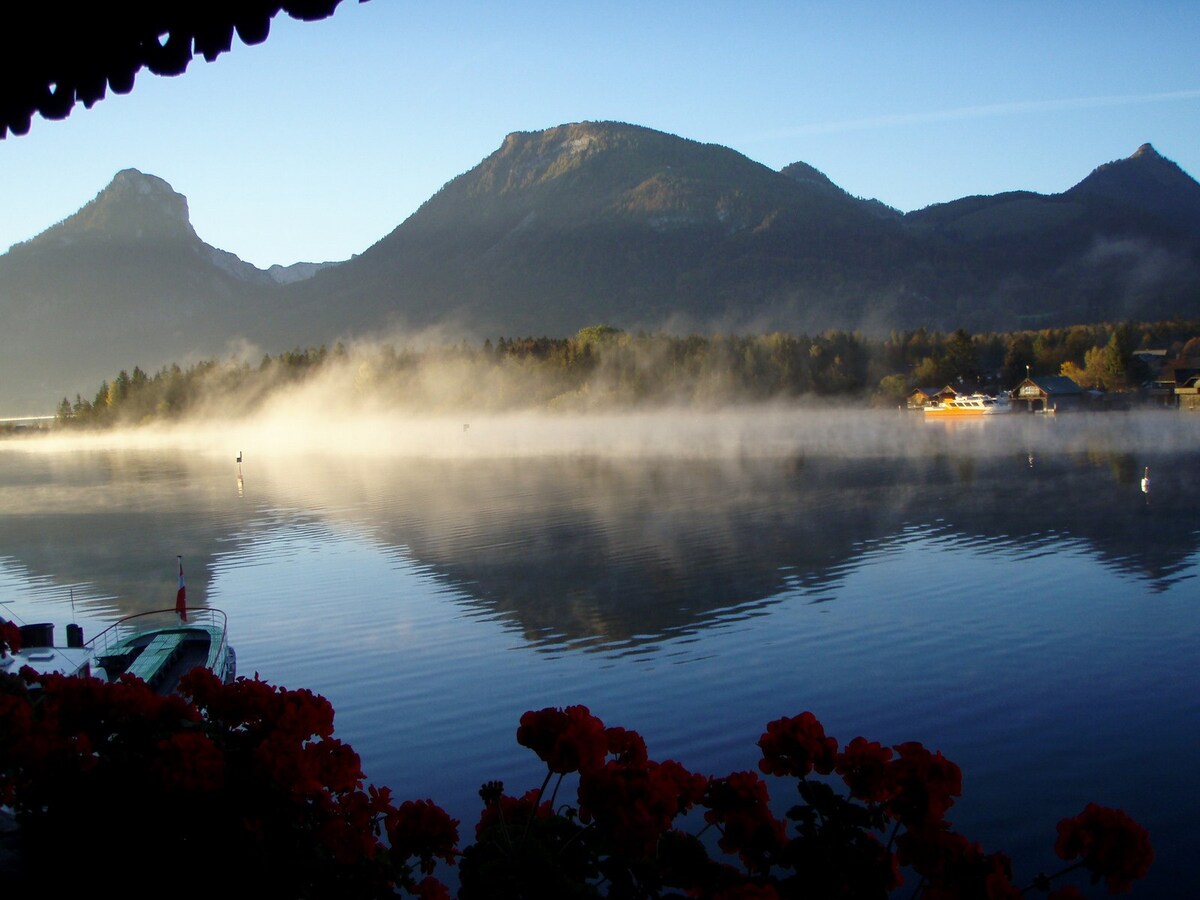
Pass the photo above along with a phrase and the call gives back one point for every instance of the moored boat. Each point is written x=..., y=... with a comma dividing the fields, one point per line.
x=968, y=405
x=157, y=647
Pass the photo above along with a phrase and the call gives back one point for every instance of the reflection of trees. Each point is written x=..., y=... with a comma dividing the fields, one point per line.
x=616, y=552
x=592, y=551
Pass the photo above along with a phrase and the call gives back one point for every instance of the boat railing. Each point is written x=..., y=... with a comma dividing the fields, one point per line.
x=157, y=619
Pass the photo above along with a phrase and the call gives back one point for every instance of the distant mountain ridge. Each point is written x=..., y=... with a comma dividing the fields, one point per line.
x=139, y=210
x=1149, y=183
x=617, y=223
x=124, y=281
x=602, y=222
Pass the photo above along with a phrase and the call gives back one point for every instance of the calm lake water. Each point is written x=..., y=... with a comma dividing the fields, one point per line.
x=1005, y=592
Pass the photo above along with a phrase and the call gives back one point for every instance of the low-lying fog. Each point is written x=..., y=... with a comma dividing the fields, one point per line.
x=632, y=400
x=762, y=431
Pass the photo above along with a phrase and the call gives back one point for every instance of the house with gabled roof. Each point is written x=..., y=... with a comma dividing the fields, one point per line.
x=923, y=396
x=1048, y=393
x=1188, y=394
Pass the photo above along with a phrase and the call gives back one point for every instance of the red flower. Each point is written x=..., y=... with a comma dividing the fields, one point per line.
x=627, y=746
x=430, y=888
x=189, y=761
x=1113, y=846
x=512, y=810
x=738, y=803
x=634, y=805
x=863, y=765
x=954, y=867
x=923, y=784
x=257, y=706
x=423, y=829
x=567, y=740
x=10, y=637
x=796, y=746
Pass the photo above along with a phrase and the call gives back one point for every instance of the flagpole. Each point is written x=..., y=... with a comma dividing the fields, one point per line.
x=181, y=595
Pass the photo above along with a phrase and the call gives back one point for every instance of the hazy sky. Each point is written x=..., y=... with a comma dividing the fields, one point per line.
x=317, y=143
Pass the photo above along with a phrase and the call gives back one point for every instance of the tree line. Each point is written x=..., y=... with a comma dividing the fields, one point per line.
x=602, y=367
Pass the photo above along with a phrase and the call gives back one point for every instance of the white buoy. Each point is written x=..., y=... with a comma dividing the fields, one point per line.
x=1146, y=481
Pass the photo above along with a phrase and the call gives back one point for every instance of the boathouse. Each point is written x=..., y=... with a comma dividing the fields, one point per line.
x=923, y=396
x=1188, y=394
x=1047, y=393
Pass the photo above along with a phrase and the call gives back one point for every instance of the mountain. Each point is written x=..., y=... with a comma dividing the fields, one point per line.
x=601, y=222
x=1146, y=183
x=1124, y=243
x=608, y=222
x=605, y=222
x=125, y=281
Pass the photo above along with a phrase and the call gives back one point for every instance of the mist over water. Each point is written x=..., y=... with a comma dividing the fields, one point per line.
x=1003, y=590
x=750, y=431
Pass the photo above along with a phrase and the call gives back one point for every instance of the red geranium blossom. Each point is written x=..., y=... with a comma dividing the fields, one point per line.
x=628, y=746
x=190, y=761
x=423, y=829
x=512, y=811
x=1113, y=846
x=923, y=784
x=634, y=805
x=10, y=637
x=567, y=740
x=954, y=867
x=863, y=765
x=429, y=888
x=795, y=746
x=738, y=803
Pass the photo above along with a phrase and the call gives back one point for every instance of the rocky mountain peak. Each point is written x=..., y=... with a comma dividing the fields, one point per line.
x=133, y=208
x=1146, y=181
x=804, y=173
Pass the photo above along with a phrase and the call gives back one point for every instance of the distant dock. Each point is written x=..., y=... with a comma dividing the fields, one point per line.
x=20, y=423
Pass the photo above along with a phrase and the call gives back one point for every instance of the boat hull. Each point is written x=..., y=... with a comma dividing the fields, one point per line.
x=155, y=647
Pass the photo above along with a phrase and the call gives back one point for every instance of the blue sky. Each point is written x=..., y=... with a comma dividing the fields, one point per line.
x=318, y=142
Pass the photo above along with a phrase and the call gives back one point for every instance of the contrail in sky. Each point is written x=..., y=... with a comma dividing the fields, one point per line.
x=980, y=112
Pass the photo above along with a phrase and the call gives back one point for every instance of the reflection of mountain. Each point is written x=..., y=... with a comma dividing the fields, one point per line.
x=1094, y=498
x=601, y=552
x=605, y=552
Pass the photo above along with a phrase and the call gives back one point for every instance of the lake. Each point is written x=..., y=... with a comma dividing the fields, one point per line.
x=1003, y=591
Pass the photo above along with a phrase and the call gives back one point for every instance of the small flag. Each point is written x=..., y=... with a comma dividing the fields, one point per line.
x=181, y=595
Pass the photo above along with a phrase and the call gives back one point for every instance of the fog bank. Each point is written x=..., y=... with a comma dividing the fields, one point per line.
x=748, y=431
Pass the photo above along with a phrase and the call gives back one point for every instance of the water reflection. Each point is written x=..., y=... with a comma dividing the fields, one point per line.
x=986, y=598
x=591, y=551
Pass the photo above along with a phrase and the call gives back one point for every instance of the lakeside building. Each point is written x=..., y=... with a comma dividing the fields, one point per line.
x=1177, y=385
x=1188, y=394
x=924, y=396
x=1049, y=393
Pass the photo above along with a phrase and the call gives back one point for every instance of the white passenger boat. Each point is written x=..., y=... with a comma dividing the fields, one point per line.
x=968, y=405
